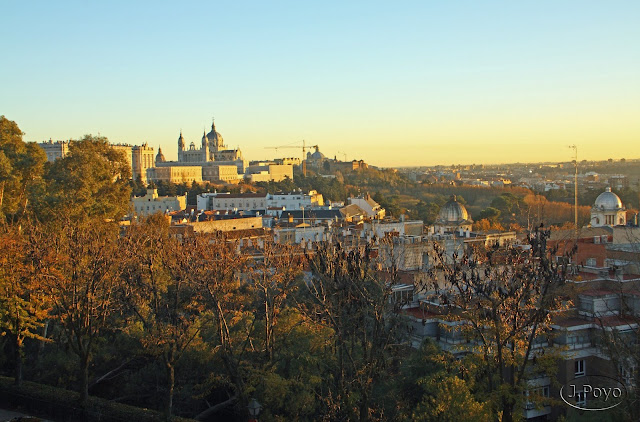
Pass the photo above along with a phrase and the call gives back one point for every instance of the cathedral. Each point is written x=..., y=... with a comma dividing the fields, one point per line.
x=212, y=148
x=211, y=162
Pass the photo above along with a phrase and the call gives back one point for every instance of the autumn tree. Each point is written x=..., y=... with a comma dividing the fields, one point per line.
x=504, y=300
x=23, y=306
x=91, y=181
x=21, y=167
x=158, y=290
x=220, y=275
x=347, y=295
x=274, y=279
x=83, y=289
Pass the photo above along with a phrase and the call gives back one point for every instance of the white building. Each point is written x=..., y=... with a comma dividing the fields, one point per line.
x=295, y=200
x=229, y=201
x=371, y=207
x=268, y=173
x=151, y=203
x=608, y=210
x=259, y=201
x=55, y=150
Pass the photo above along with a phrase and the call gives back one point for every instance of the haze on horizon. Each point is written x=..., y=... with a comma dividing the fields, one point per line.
x=420, y=83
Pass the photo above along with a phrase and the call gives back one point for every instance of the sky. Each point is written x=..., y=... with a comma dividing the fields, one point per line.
x=394, y=83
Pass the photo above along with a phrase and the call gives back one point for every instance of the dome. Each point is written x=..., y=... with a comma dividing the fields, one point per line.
x=160, y=156
x=317, y=156
x=214, y=138
x=608, y=200
x=453, y=212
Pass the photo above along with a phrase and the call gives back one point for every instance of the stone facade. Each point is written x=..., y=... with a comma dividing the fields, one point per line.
x=55, y=150
x=151, y=203
x=142, y=158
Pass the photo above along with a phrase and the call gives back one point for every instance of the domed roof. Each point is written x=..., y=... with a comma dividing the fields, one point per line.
x=160, y=156
x=316, y=156
x=453, y=212
x=214, y=138
x=608, y=200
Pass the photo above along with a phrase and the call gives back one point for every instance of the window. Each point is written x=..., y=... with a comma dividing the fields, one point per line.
x=626, y=374
x=591, y=262
x=581, y=399
x=580, y=368
x=535, y=394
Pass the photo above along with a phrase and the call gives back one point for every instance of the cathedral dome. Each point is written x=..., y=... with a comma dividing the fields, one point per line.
x=214, y=138
x=160, y=156
x=608, y=200
x=453, y=212
x=317, y=156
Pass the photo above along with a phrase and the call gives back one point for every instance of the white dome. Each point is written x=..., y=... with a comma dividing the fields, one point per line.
x=453, y=212
x=608, y=200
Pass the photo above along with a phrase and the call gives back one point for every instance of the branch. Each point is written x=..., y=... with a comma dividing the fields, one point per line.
x=215, y=409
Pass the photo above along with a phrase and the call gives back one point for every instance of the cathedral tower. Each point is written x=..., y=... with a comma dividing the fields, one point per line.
x=180, y=146
x=205, y=148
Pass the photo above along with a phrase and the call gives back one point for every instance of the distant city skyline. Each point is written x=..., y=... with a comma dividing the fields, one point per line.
x=420, y=83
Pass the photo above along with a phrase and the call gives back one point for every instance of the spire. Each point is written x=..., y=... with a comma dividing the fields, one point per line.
x=213, y=125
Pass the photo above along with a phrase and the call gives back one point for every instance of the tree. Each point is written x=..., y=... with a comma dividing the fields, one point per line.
x=349, y=297
x=91, y=181
x=159, y=292
x=448, y=399
x=274, y=278
x=23, y=305
x=504, y=299
x=82, y=290
x=220, y=275
x=21, y=166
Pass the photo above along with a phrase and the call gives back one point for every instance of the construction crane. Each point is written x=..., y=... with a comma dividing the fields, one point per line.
x=304, y=147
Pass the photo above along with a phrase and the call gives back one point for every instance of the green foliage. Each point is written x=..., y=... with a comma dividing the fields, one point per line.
x=91, y=181
x=21, y=168
x=447, y=398
x=490, y=213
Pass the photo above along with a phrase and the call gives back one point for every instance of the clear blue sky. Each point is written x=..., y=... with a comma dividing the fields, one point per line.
x=425, y=82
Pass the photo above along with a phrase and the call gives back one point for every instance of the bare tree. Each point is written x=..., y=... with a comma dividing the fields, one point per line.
x=504, y=300
x=347, y=295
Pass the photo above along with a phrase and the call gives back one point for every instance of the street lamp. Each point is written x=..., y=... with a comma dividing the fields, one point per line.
x=575, y=206
x=254, y=409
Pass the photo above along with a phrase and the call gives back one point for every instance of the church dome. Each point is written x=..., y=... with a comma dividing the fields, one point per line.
x=453, y=212
x=214, y=138
x=160, y=156
x=608, y=200
x=317, y=156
